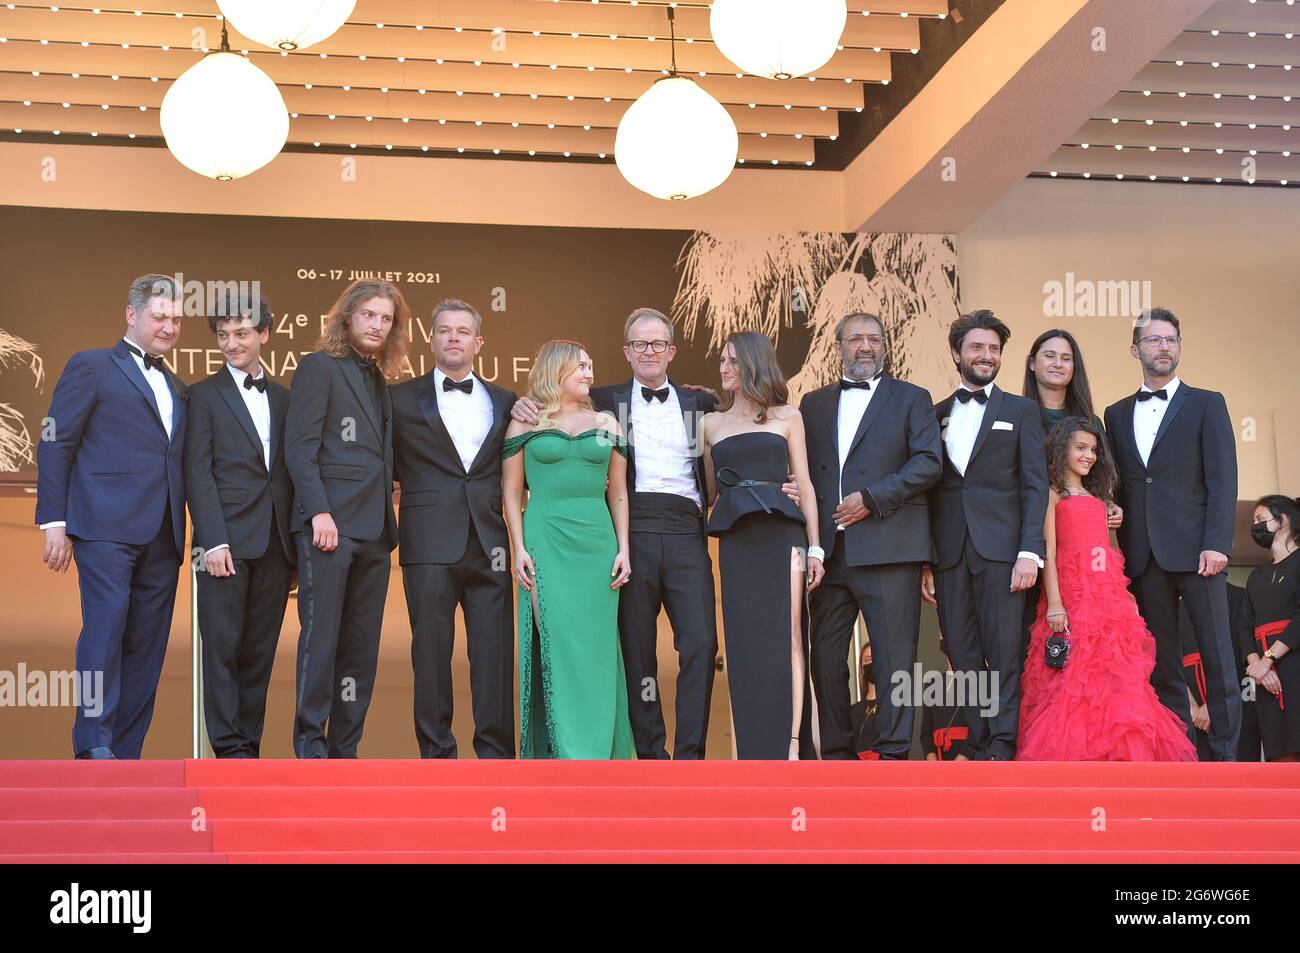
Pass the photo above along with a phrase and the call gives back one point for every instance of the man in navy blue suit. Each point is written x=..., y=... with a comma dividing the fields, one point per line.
x=111, y=494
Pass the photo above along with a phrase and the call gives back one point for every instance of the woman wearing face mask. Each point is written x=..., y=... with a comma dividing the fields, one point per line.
x=1268, y=627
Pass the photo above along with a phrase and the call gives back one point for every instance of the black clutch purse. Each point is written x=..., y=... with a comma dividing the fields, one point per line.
x=1058, y=649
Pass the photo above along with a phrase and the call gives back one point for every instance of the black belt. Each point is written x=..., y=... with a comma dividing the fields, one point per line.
x=746, y=485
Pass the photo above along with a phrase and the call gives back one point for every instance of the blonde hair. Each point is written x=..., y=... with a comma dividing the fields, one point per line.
x=555, y=361
x=334, y=339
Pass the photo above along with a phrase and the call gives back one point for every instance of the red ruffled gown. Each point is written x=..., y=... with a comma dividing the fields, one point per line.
x=1100, y=706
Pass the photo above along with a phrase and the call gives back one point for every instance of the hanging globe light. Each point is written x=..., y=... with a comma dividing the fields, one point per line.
x=676, y=141
x=778, y=39
x=223, y=117
x=287, y=24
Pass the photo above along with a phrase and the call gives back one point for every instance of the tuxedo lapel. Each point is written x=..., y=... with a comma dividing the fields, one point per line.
x=279, y=400
x=990, y=414
x=884, y=391
x=230, y=394
x=1126, y=432
x=1176, y=403
x=123, y=359
x=426, y=398
x=352, y=374
x=833, y=420
x=499, y=398
x=623, y=413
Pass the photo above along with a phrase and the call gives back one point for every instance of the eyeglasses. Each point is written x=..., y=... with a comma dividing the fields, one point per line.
x=639, y=347
x=1155, y=340
x=855, y=340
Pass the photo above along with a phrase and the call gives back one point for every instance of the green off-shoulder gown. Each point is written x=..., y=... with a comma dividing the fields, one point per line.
x=572, y=688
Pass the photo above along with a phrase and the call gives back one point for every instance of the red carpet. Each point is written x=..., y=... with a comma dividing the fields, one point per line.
x=479, y=811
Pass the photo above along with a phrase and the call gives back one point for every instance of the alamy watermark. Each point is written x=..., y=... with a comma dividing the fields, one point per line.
x=57, y=689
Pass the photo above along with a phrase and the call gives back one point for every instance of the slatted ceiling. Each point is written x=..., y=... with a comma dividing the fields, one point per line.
x=1203, y=108
x=467, y=47
x=397, y=104
x=1170, y=107
x=1136, y=134
x=1242, y=16
x=558, y=81
x=1170, y=167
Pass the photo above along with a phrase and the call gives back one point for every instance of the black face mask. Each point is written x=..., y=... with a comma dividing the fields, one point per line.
x=1262, y=535
x=868, y=675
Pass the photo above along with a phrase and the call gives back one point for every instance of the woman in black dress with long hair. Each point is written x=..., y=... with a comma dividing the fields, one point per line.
x=1268, y=627
x=750, y=446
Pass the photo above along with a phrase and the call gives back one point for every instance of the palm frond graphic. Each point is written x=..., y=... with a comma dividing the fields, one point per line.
x=16, y=446
x=763, y=283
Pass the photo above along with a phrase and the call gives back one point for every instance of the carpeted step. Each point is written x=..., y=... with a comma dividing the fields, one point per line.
x=99, y=837
x=91, y=803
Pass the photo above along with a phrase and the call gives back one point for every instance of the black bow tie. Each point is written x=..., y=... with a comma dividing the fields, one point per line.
x=256, y=382
x=855, y=385
x=465, y=387
x=966, y=396
x=150, y=362
x=1148, y=394
x=649, y=395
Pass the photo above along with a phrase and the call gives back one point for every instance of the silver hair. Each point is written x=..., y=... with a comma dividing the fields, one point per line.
x=640, y=313
x=455, y=304
x=147, y=287
x=858, y=316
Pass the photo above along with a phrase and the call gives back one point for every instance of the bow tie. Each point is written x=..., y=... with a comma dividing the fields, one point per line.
x=465, y=387
x=255, y=382
x=150, y=362
x=649, y=395
x=855, y=385
x=966, y=396
x=1148, y=394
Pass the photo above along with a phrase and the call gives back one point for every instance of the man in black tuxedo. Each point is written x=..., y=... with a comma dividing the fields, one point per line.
x=111, y=494
x=873, y=450
x=670, y=559
x=987, y=512
x=338, y=445
x=448, y=427
x=241, y=501
x=1177, y=461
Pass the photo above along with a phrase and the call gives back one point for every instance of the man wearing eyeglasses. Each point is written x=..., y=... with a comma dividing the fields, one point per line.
x=669, y=550
x=1177, y=462
x=874, y=450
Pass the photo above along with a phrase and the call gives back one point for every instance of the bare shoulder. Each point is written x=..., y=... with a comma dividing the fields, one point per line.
x=516, y=428
x=786, y=414
x=607, y=421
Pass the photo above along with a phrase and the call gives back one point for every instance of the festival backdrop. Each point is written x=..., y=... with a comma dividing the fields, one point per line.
x=65, y=275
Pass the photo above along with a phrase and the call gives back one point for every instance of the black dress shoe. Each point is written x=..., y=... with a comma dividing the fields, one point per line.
x=100, y=753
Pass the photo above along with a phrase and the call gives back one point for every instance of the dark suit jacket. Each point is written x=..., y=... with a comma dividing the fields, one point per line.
x=616, y=399
x=895, y=457
x=1185, y=500
x=439, y=499
x=233, y=498
x=340, y=456
x=108, y=470
x=1002, y=499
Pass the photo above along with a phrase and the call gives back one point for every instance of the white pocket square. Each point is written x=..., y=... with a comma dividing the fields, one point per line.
x=1003, y=425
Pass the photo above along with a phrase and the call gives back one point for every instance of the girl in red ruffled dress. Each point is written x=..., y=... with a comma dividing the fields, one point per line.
x=1100, y=706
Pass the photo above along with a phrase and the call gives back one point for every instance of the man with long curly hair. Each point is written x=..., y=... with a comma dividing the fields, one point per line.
x=339, y=448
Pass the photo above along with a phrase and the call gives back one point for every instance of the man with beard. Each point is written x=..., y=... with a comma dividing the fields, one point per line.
x=338, y=445
x=447, y=431
x=1177, y=461
x=873, y=451
x=987, y=510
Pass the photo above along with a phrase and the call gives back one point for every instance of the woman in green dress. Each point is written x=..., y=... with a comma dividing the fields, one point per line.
x=570, y=560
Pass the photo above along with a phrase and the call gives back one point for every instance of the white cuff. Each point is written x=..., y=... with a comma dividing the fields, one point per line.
x=215, y=548
x=816, y=552
x=53, y=525
x=1034, y=556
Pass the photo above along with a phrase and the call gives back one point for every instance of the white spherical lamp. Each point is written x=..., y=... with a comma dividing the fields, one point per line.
x=676, y=141
x=287, y=24
x=224, y=118
x=778, y=39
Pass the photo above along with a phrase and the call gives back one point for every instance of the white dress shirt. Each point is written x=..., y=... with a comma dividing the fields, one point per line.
x=853, y=404
x=468, y=417
x=259, y=408
x=664, y=461
x=964, y=421
x=1147, y=416
x=162, y=395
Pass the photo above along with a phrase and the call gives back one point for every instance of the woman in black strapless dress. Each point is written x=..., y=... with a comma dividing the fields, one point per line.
x=767, y=547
